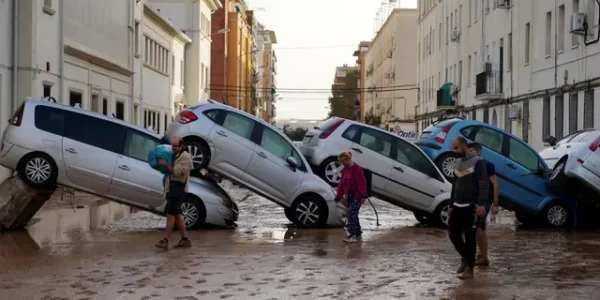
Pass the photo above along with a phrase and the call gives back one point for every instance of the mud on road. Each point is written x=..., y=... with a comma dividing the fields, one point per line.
x=265, y=259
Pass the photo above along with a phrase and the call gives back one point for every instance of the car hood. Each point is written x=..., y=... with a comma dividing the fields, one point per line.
x=211, y=186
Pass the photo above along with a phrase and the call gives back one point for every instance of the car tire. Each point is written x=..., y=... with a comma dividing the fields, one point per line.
x=330, y=171
x=38, y=170
x=558, y=178
x=309, y=212
x=421, y=217
x=557, y=215
x=440, y=216
x=446, y=165
x=193, y=211
x=200, y=154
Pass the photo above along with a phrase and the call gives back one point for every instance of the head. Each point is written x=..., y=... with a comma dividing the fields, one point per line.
x=177, y=144
x=460, y=146
x=345, y=158
x=476, y=148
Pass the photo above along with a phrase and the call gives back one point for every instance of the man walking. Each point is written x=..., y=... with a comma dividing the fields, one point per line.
x=493, y=201
x=467, y=200
x=176, y=188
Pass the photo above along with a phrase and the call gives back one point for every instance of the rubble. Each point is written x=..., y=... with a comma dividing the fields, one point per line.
x=19, y=203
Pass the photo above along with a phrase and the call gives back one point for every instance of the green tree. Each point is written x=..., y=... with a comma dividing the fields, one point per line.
x=341, y=104
x=295, y=134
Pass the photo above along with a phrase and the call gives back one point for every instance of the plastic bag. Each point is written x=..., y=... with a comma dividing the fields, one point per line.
x=160, y=151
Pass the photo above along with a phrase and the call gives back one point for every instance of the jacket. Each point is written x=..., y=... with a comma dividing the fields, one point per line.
x=352, y=181
x=182, y=165
x=471, y=182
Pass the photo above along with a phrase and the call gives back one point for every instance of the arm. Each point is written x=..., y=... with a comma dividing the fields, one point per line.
x=452, y=192
x=496, y=190
x=482, y=183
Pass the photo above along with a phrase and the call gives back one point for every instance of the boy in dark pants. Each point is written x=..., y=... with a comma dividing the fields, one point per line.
x=468, y=198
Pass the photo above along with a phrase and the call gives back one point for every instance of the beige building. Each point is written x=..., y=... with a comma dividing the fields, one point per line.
x=390, y=76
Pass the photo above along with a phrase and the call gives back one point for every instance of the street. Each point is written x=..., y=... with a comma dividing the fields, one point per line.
x=264, y=259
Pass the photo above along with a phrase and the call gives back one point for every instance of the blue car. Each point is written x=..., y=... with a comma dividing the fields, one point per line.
x=521, y=172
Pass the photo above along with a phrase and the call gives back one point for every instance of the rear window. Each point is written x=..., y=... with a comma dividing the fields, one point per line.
x=50, y=119
x=327, y=123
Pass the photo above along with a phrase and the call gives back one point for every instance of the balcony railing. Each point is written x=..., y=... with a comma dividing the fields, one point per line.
x=488, y=86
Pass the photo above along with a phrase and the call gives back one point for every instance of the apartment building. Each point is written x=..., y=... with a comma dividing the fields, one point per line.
x=267, y=69
x=390, y=77
x=360, y=55
x=510, y=63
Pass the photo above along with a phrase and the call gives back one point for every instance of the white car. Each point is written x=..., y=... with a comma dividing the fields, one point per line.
x=402, y=174
x=574, y=156
x=253, y=153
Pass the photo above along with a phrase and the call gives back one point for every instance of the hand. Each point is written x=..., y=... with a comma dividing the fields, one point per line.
x=495, y=209
x=363, y=200
x=163, y=162
x=481, y=211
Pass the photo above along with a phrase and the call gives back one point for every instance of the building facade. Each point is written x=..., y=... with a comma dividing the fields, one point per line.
x=267, y=69
x=360, y=55
x=195, y=19
x=391, y=89
x=520, y=67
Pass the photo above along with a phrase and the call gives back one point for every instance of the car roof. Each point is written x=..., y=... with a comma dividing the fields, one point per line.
x=373, y=127
x=467, y=123
x=45, y=102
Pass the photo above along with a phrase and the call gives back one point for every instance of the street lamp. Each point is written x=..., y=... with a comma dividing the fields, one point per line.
x=220, y=31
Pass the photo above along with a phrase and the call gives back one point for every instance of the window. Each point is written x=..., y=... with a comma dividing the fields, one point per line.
x=489, y=138
x=137, y=38
x=182, y=75
x=475, y=11
x=350, y=133
x=510, y=51
x=475, y=65
x=440, y=36
x=213, y=114
x=138, y=145
x=275, y=144
x=559, y=116
x=560, y=29
x=459, y=78
x=573, y=112
x=591, y=14
x=575, y=37
x=549, y=34
x=206, y=78
x=588, y=109
x=136, y=117
x=410, y=156
x=523, y=155
x=470, y=12
x=120, y=110
x=172, y=69
x=102, y=134
x=156, y=56
x=527, y=42
x=546, y=117
x=166, y=123
x=238, y=124
x=95, y=103
x=151, y=119
x=376, y=141
x=447, y=29
x=104, y=106
x=469, y=68
x=50, y=119
x=75, y=98
x=459, y=16
x=47, y=90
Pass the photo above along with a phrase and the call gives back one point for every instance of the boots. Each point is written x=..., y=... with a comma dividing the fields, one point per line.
x=462, y=267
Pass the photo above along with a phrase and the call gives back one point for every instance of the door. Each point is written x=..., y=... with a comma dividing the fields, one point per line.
x=373, y=151
x=269, y=170
x=91, y=147
x=413, y=177
x=523, y=185
x=233, y=144
x=134, y=181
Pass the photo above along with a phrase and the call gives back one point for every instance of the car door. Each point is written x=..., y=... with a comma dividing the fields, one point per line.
x=134, y=181
x=231, y=137
x=372, y=150
x=413, y=177
x=269, y=170
x=524, y=184
x=91, y=147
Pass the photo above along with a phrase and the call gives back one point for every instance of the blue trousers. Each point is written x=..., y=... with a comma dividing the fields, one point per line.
x=353, y=223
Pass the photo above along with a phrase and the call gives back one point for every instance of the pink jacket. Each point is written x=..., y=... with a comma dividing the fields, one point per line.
x=353, y=180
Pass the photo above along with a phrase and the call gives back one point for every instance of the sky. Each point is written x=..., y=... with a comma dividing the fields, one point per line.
x=314, y=36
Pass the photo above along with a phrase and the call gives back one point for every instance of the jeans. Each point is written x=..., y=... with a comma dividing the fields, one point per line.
x=353, y=224
x=463, y=220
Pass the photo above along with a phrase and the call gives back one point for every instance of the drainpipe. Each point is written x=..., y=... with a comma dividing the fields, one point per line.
x=61, y=50
x=15, y=56
x=555, y=46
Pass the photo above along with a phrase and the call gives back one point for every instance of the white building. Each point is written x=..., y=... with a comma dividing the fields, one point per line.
x=391, y=86
x=266, y=71
x=193, y=17
x=511, y=64
x=162, y=47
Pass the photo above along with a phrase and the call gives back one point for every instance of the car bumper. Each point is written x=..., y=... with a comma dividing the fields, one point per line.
x=337, y=214
x=11, y=154
x=432, y=149
x=576, y=170
x=221, y=216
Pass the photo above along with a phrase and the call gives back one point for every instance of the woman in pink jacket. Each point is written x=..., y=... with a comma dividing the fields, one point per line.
x=353, y=188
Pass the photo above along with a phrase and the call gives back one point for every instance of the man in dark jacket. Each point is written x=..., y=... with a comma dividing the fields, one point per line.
x=467, y=201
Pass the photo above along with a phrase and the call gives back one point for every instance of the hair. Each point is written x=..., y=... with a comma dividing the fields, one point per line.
x=461, y=140
x=475, y=146
x=178, y=139
x=345, y=154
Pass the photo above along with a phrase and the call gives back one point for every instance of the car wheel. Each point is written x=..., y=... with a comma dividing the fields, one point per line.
x=38, y=170
x=421, y=217
x=557, y=177
x=557, y=215
x=193, y=211
x=441, y=215
x=309, y=212
x=446, y=165
x=200, y=154
x=331, y=171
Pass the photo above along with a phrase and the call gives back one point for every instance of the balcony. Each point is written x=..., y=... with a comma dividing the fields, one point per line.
x=488, y=86
x=444, y=97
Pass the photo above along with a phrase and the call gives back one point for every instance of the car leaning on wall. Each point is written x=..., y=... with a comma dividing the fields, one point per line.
x=50, y=144
x=522, y=173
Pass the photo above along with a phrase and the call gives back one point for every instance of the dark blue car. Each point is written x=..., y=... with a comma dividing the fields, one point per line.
x=521, y=171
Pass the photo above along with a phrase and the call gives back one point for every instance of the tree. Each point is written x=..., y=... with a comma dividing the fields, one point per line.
x=372, y=119
x=341, y=104
x=295, y=134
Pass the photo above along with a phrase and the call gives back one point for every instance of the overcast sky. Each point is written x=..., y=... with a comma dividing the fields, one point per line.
x=314, y=36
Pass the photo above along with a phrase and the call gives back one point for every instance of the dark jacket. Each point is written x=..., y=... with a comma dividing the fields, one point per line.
x=471, y=183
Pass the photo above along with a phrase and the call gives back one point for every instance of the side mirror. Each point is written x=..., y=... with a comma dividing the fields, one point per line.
x=550, y=140
x=292, y=161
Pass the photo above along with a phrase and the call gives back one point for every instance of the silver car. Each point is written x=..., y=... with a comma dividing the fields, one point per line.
x=402, y=174
x=253, y=153
x=49, y=144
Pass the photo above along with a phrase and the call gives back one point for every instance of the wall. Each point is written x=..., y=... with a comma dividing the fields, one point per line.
x=219, y=55
x=6, y=29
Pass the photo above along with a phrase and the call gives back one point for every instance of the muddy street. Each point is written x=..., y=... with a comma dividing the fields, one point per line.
x=66, y=258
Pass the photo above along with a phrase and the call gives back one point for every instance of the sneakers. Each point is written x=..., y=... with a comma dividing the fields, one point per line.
x=353, y=239
x=162, y=244
x=461, y=268
x=482, y=261
x=468, y=273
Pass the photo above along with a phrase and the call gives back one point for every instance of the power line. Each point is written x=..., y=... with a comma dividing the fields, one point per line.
x=308, y=91
x=375, y=89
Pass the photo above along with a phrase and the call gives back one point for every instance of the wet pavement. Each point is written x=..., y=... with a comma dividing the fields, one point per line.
x=75, y=254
